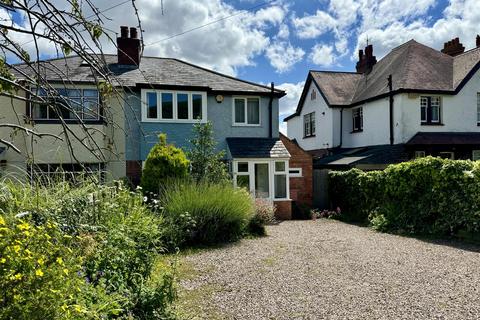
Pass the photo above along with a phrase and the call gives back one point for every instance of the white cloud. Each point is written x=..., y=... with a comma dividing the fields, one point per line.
x=312, y=26
x=322, y=55
x=288, y=104
x=283, y=32
x=283, y=55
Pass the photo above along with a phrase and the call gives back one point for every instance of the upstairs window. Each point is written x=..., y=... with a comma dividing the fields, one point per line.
x=309, y=125
x=173, y=106
x=357, y=119
x=478, y=109
x=246, y=111
x=430, y=110
x=67, y=104
x=313, y=95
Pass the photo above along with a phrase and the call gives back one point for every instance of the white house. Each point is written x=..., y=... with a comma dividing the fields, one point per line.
x=416, y=101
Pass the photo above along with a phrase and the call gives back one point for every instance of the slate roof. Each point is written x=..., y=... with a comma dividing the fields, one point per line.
x=414, y=68
x=375, y=155
x=152, y=71
x=257, y=148
x=445, y=138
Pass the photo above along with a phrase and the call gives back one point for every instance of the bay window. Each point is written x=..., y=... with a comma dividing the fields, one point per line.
x=266, y=179
x=67, y=104
x=173, y=106
x=246, y=111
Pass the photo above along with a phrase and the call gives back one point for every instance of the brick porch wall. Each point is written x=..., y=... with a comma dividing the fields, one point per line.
x=301, y=189
x=284, y=210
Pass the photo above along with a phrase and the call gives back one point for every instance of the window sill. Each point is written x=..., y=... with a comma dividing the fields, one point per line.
x=174, y=121
x=310, y=136
x=432, y=124
x=245, y=125
x=284, y=199
x=356, y=131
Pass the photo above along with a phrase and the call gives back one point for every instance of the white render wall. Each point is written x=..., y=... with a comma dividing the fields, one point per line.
x=324, y=123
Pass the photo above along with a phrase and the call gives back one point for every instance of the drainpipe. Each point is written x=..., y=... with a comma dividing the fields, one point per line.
x=390, y=89
x=341, y=128
x=270, y=111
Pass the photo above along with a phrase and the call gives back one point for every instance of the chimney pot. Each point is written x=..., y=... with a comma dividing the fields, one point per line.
x=124, y=31
x=366, y=62
x=133, y=33
x=360, y=54
x=478, y=41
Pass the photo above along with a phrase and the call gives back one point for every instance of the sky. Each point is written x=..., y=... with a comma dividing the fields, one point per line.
x=280, y=40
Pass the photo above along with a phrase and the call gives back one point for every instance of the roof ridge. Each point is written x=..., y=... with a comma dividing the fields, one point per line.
x=331, y=71
x=468, y=51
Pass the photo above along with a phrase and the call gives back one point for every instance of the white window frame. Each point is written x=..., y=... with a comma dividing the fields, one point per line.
x=246, y=124
x=419, y=154
x=175, y=119
x=308, y=123
x=475, y=155
x=451, y=153
x=271, y=172
x=360, y=114
x=297, y=174
x=425, y=104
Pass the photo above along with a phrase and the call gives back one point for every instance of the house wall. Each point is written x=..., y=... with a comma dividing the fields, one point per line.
x=324, y=123
x=142, y=136
x=109, y=137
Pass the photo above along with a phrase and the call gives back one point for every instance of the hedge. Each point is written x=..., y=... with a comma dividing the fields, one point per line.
x=424, y=196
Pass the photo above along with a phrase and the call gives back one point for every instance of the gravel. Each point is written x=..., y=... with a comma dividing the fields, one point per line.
x=326, y=269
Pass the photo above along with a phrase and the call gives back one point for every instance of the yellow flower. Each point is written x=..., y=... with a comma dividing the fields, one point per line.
x=18, y=276
x=3, y=260
x=41, y=261
x=23, y=226
x=78, y=308
x=65, y=271
x=28, y=252
x=60, y=261
x=16, y=248
x=2, y=221
x=39, y=273
x=27, y=233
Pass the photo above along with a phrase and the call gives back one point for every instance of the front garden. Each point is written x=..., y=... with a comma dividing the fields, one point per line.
x=90, y=251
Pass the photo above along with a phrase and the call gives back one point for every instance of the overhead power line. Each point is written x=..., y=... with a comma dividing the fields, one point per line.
x=212, y=22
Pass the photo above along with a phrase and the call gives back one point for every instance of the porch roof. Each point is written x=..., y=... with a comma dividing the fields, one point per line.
x=257, y=148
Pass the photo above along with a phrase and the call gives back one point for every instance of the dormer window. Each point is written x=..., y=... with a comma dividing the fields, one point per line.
x=430, y=109
x=313, y=95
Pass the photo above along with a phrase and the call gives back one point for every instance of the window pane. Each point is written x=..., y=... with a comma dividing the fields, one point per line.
x=90, y=93
x=435, y=113
x=73, y=93
x=243, y=167
x=167, y=106
x=74, y=109
x=423, y=109
x=280, y=186
x=280, y=166
x=182, y=106
x=243, y=182
x=262, y=180
x=151, y=105
x=253, y=111
x=91, y=108
x=40, y=111
x=239, y=111
x=312, y=123
x=197, y=106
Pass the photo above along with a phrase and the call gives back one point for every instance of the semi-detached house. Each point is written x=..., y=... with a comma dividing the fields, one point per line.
x=157, y=95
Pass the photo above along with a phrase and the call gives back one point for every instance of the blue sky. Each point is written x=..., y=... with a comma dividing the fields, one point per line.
x=282, y=40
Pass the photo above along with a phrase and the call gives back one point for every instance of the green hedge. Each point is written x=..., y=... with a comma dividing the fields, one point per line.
x=425, y=196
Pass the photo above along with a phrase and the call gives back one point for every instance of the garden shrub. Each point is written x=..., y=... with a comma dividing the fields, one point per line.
x=115, y=234
x=264, y=215
x=424, y=196
x=164, y=162
x=202, y=213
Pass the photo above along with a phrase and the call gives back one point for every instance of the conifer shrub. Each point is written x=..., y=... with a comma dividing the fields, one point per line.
x=164, y=162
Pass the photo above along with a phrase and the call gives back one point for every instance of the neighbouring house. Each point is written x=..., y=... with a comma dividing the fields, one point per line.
x=414, y=102
x=157, y=95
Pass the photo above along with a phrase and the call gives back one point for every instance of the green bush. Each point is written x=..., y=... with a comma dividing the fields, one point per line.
x=164, y=162
x=425, y=196
x=115, y=233
x=201, y=213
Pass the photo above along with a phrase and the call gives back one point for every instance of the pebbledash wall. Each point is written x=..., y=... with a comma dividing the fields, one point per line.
x=108, y=135
x=458, y=114
x=141, y=136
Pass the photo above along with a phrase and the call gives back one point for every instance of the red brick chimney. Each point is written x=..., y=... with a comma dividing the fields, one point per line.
x=453, y=48
x=128, y=48
x=478, y=41
x=366, y=61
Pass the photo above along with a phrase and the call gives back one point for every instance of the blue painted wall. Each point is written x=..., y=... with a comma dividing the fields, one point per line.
x=141, y=136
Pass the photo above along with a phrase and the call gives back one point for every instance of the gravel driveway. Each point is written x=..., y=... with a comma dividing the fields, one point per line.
x=326, y=269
